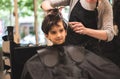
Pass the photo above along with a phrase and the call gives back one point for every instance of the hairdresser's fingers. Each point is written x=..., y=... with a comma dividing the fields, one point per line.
x=72, y=23
x=76, y=25
x=60, y=8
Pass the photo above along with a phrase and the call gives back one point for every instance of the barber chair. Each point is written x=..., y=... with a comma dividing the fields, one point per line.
x=6, y=53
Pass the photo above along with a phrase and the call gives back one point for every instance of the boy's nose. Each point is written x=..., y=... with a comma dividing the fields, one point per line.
x=58, y=34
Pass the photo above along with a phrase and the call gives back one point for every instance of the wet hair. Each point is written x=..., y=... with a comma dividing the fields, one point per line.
x=53, y=17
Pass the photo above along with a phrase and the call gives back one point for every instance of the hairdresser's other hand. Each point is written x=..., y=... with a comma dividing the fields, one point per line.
x=46, y=6
x=78, y=27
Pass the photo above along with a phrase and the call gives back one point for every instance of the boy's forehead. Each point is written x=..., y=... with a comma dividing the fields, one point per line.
x=59, y=24
x=56, y=27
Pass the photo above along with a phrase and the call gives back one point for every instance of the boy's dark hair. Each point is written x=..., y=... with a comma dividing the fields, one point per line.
x=52, y=19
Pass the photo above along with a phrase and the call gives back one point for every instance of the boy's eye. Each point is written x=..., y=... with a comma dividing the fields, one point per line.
x=53, y=32
x=61, y=30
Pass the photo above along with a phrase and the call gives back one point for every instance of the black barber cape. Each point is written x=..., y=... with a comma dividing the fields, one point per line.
x=69, y=62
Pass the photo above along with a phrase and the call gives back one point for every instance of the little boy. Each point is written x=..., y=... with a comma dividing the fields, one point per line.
x=66, y=62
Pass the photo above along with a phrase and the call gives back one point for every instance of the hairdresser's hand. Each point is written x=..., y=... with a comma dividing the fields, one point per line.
x=78, y=27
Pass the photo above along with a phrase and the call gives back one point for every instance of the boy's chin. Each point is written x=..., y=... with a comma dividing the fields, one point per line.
x=59, y=43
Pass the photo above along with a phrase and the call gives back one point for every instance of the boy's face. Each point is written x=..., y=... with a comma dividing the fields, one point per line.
x=57, y=34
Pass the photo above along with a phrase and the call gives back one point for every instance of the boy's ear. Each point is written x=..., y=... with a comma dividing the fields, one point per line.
x=46, y=36
x=66, y=33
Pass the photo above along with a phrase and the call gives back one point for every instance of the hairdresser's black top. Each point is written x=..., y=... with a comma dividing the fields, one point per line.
x=89, y=19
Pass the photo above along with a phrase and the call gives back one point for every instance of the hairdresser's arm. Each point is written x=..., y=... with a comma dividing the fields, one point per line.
x=50, y=4
x=99, y=34
x=105, y=19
